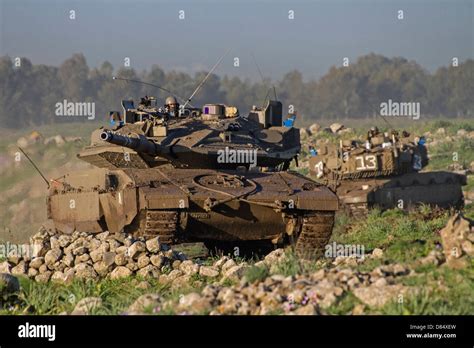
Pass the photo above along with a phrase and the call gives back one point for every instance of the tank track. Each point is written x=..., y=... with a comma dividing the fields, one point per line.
x=161, y=223
x=315, y=233
x=357, y=210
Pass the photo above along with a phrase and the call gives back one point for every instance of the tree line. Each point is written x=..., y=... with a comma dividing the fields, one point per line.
x=30, y=92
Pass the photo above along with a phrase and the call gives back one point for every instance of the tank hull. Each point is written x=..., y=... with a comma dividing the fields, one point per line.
x=441, y=189
x=191, y=205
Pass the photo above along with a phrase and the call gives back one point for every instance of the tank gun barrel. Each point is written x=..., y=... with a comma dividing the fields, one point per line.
x=139, y=144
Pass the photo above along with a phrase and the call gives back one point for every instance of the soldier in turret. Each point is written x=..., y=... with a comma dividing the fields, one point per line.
x=172, y=106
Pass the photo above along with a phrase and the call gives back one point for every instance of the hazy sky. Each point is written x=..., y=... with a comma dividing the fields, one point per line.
x=320, y=35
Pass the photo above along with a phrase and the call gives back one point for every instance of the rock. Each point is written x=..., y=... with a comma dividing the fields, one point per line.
x=68, y=260
x=314, y=128
x=37, y=262
x=149, y=271
x=377, y=253
x=135, y=249
x=64, y=240
x=108, y=258
x=19, y=269
x=96, y=255
x=336, y=127
x=457, y=230
x=194, y=303
x=377, y=296
x=145, y=303
x=176, y=264
x=81, y=259
x=5, y=267
x=153, y=245
x=43, y=277
x=234, y=272
x=120, y=272
x=209, y=272
x=228, y=264
x=84, y=271
x=274, y=257
x=188, y=267
x=87, y=305
x=219, y=263
x=308, y=309
x=52, y=256
x=182, y=282
x=102, y=236
x=8, y=284
x=121, y=259
x=157, y=260
x=61, y=277
x=461, y=132
x=143, y=261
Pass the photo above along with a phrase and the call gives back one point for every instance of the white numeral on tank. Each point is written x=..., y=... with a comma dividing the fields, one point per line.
x=319, y=167
x=367, y=162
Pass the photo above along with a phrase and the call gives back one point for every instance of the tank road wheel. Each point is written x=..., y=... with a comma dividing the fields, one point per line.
x=315, y=233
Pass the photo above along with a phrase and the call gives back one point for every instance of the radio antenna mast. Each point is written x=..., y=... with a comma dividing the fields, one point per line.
x=205, y=78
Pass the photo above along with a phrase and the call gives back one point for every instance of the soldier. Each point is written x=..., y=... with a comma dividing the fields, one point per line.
x=172, y=106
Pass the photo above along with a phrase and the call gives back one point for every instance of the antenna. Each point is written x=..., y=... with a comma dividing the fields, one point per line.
x=149, y=84
x=205, y=78
x=34, y=165
x=263, y=82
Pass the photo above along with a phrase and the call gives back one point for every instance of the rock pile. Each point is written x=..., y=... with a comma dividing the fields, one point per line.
x=301, y=294
x=60, y=257
x=458, y=241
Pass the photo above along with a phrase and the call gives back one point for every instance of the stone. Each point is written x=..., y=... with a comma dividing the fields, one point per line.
x=176, y=264
x=108, y=258
x=36, y=262
x=8, y=284
x=19, y=269
x=102, y=236
x=219, y=263
x=135, y=249
x=87, y=305
x=32, y=272
x=145, y=303
x=336, y=127
x=234, y=272
x=308, y=309
x=120, y=272
x=121, y=259
x=84, y=271
x=143, y=261
x=377, y=296
x=188, y=267
x=209, y=272
x=377, y=253
x=153, y=245
x=314, y=128
x=228, y=264
x=194, y=303
x=43, y=277
x=456, y=231
x=132, y=266
x=81, y=258
x=96, y=255
x=149, y=271
x=274, y=257
x=52, y=256
x=68, y=260
x=5, y=267
x=181, y=282
x=157, y=260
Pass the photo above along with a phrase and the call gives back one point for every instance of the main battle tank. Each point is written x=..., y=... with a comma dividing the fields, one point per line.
x=196, y=174
x=384, y=171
